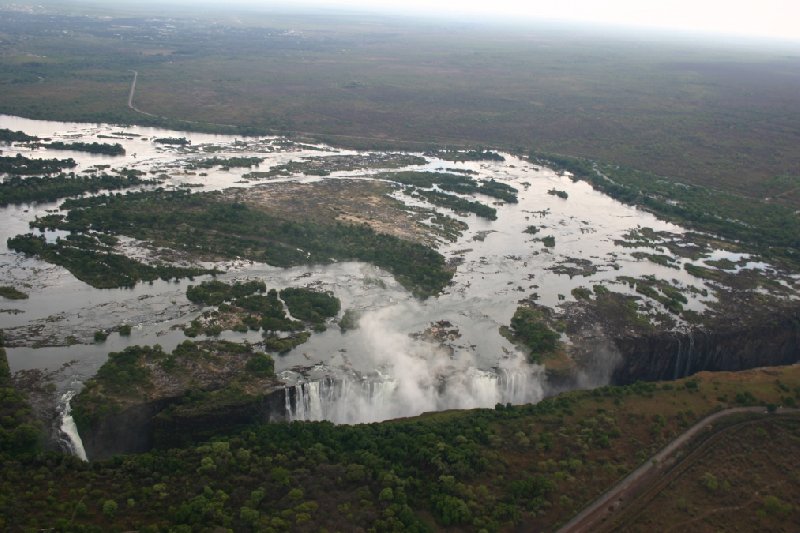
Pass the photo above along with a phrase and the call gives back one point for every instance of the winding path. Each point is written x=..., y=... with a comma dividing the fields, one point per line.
x=591, y=518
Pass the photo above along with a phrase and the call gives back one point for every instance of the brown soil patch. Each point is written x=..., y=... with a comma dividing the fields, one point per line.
x=344, y=200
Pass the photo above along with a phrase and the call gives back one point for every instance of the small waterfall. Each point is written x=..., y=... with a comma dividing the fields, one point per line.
x=68, y=428
x=676, y=374
x=518, y=385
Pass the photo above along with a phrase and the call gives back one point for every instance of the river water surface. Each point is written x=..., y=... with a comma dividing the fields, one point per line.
x=382, y=369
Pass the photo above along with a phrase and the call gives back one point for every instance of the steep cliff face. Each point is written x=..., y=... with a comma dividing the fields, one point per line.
x=608, y=347
x=665, y=355
x=168, y=423
x=181, y=425
x=129, y=431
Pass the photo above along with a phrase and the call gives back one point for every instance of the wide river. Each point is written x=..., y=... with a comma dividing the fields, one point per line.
x=379, y=370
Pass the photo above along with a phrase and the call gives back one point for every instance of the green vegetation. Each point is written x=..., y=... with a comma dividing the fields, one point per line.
x=309, y=305
x=453, y=183
x=140, y=374
x=17, y=190
x=240, y=309
x=12, y=293
x=532, y=230
x=561, y=194
x=20, y=434
x=178, y=141
x=466, y=155
x=659, y=290
x=227, y=162
x=457, y=204
x=323, y=166
x=283, y=345
x=582, y=293
x=208, y=224
x=92, y=148
x=549, y=241
x=514, y=467
x=704, y=272
x=349, y=320
x=740, y=469
x=530, y=328
x=216, y=292
x=693, y=111
x=20, y=165
x=659, y=259
x=92, y=260
x=8, y=136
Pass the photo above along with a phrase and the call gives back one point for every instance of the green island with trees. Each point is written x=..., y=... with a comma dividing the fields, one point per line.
x=19, y=165
x=466, y=155
x=90, y=258
x=453, y=183
x=177, y=141
x=207, y=224
x=529, y=328
x=92, y=148
x=244, y=306
x=18, y=190
x=10, y=136
x=12, y=293
x=226, y=162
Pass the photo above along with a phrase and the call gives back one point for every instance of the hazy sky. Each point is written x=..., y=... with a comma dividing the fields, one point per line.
x=767, y=18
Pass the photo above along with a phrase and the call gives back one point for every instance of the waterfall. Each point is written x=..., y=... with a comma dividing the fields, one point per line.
x=347, y=397
x=68, y=427
x=676, y=374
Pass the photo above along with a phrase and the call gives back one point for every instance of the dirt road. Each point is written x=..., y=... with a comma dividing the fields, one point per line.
x=626, y=490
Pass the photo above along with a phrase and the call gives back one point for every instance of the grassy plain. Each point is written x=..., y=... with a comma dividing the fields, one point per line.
x=720, y=114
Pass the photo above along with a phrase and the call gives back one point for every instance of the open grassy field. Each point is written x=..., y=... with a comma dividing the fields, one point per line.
x=723, y=115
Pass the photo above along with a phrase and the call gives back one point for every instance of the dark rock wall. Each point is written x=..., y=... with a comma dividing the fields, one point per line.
x=667, y=356
x=139, y=428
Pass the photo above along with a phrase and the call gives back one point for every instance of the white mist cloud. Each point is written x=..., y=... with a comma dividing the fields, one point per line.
x=420, y=377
